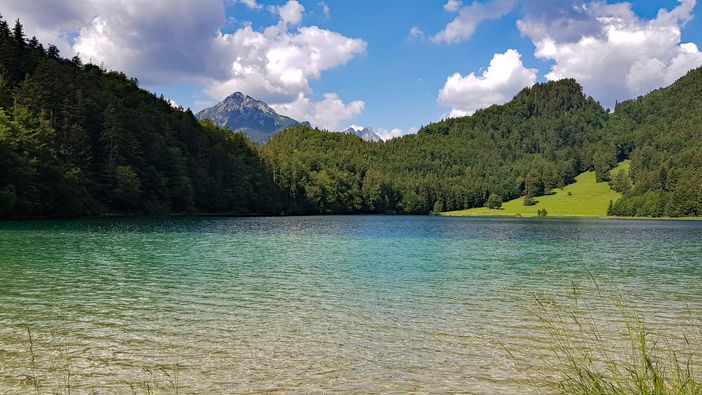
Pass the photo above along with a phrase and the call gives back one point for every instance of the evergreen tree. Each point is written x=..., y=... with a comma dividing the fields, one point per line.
x=18, y=34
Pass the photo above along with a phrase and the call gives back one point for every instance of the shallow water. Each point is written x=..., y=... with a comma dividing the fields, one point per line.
x=305, y=304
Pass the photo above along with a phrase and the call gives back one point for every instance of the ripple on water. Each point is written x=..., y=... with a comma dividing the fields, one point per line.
x=354, y=304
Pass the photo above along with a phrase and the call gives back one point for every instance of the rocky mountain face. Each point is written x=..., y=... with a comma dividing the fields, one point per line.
x=243, y=113
x=259, y=122
x=366, y=134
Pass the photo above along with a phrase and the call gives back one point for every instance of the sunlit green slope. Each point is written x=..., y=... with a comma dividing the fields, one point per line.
x=583, y=198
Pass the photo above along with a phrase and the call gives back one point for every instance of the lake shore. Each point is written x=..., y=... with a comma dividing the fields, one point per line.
x=351, y=304
x=605, y=217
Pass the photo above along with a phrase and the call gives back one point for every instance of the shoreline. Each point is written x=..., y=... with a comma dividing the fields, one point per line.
x=444, y=215
x=605, y=217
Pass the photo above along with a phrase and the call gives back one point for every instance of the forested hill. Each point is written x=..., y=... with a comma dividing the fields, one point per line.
x=77, y=140
x=540, y=140
x=666, y=160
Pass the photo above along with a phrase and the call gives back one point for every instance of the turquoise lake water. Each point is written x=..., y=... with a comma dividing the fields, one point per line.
x=315, y=304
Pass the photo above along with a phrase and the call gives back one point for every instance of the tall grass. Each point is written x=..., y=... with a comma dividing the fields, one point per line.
x=598, y=345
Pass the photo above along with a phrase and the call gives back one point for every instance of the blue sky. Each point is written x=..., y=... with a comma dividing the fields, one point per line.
x=384, y=64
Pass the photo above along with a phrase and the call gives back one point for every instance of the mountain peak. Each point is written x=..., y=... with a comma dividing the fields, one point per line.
x=238, y=100
x=364, y=133
x=244, y=113
x=236, y=96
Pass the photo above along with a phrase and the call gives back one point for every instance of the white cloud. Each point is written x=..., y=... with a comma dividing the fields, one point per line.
x=469, y=17
x=251, y=4
x=327, y=114
x=453, y=5
x=505, y=76
x=290, y=12
x=615, y=54
x=140, y=38
x=416, y=33
x=325, y=9
x=390, y=134
x=276, y=65
x=49, y=20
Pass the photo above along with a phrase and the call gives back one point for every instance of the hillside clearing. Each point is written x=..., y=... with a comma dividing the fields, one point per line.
x=583, y=198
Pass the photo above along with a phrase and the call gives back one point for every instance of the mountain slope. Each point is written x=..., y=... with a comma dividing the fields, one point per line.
x=78, y=140
x=243, y=113
x=540, y=140
x=583, y=198
x=666, y=150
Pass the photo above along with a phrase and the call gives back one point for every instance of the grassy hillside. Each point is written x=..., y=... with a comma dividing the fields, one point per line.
x=583, y=198
x=542, y=139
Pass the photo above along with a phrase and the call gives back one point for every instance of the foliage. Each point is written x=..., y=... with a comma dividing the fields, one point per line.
x=78, y=140
x=584, y=198
x=438, y=208
x=529, y=200
x=666, y=159
x=541, y=140
x=526, y=148
x=494, y=202
x=621, y=182
x=598, y=348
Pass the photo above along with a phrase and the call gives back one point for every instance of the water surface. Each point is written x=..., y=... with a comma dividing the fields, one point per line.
x=304, y=304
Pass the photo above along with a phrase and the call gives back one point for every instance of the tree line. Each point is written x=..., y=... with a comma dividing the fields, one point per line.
x=76, y=139
x=540, y=140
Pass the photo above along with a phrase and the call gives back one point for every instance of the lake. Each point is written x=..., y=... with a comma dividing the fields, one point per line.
x=314, y=304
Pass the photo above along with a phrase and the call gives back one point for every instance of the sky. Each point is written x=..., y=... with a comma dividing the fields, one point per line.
x=393, y=65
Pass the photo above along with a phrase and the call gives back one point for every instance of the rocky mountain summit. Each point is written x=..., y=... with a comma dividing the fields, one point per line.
x=364, y=133
x=243, y=113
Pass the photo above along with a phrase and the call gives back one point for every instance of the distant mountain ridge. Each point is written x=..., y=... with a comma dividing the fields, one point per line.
x=364, y=133
x=240, y=112
x=257, y=120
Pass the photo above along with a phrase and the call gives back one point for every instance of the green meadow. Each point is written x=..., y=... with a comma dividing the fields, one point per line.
x=583, y=198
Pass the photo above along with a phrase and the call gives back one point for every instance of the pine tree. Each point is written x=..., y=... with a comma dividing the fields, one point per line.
x=54, y=52
x=5, y=89
x=18, y=34
x=4, y=29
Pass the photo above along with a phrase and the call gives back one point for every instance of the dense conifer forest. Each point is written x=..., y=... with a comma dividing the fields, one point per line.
x=78, y=140
x=664, y=130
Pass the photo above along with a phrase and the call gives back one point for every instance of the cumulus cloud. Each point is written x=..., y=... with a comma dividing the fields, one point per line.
x=290, y=12
x=327, y=114
x=49, y=20
x=469, y=17
x=251, y=4
x=453, y=5
x=140, y=38
x=389, y=134
x=505, y=76
x=276, y=65
x=611, y=51
x=166, y=41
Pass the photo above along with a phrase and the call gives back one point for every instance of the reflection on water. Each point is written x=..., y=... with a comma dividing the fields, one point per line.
x=354, y=304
